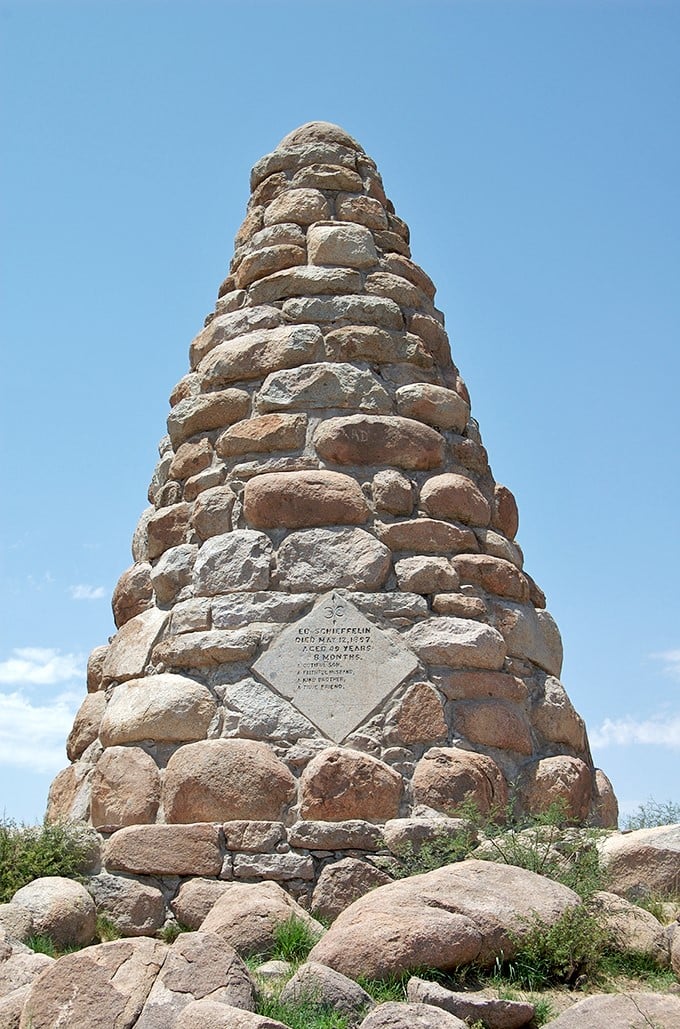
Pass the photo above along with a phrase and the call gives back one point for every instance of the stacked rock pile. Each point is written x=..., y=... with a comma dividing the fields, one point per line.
x=327, y=628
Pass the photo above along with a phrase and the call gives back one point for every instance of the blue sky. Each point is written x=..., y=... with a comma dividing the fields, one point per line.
x=533, y=149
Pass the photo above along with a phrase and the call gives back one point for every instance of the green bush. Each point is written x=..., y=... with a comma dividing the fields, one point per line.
x=653, y=813
x=570, y=951
x=30, y=852
x=293, y=940
x=302, y=1014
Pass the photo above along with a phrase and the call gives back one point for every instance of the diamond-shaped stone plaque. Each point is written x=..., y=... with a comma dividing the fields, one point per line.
x=335, y=666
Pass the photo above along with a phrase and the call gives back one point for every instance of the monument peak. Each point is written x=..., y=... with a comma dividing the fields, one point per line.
x=327, y=624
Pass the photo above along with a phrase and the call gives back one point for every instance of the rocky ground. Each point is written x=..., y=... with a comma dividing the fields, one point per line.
x=418, y=951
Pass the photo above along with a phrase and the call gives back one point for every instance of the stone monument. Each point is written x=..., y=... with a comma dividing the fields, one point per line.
x=327, y=640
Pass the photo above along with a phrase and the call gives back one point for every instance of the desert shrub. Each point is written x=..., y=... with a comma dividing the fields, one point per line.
x=547, y=845
x=171, y=930
x=569, y=951
x=30, y=852
x=642, y=967
x=444, y=849
x=653, y=813
x=106, y=930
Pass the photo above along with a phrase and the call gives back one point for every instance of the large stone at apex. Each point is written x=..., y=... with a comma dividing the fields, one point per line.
x=247, y=914
x=632, y=1010
x=341, y=784
x=435, y=405
x=379, y=439
x=446, y=777
x=236, y=560
x=458, y=643
x=198, y=965
x=96, y=988
x=345, y=245
x=258, y=353
x=298, y=500
x=323, y=385
x=455, y=496
x=644, y=862
x=60, y=908
x=468, y=911
x=218, y=780
x=335, y=666
x=126, y=788
x=324, y=559
x=165, y=850
x=166, y=708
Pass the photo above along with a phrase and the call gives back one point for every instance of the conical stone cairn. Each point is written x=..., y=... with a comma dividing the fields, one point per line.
x=327, y=641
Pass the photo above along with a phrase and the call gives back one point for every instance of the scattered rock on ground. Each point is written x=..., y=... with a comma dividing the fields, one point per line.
x=472, y=1007
x=247, y=914
x=324, y=985
x=410, y=1016
x=60, y=908
x=629, y=1010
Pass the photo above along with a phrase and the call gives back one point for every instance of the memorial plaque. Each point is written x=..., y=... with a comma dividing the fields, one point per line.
x=335, y=666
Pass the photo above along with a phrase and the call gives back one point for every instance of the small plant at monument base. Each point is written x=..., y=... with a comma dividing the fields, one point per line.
x=31, y=852
x=171, y=930
x=301, y=1014
x=293, y=940
x=106, y=930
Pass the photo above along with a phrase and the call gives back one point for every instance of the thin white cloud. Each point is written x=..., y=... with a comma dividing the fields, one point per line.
x=671, y=662
x=84, y=592
x=32, y=735
x=41, y=666
x=661, y=731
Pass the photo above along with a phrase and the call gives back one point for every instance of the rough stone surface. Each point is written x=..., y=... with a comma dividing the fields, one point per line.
x=172, y=573
x=458, y=642
x=421, y=716
x=133, y=593
x=323, y=385
x=212, y=512
x=493, y=723
x=348, y=246
x=266, y=433
x=393, y=492
x=194, y=900
x=136, y=909
x=530, y=634
x=247, y=914
x=560, y=779
x=396, y=1015
x=472, y=1007
x=343, y=882
x=128, y=653
x=353, y=834
x=60, y=908
x=86, y=725
x=631, y=928
x=454, y=496
x=257, y=354
x=435, y=405
x=468, y=911
x=209, y=1014
x=217, y=780
x=379, y=439
x=342, y=784
x=445, y=777
x=324, y=559
x=197, y=965
x=99, y=987
x=632, y=1010
x=644, y=862
x=214, y=410
x=16, y=921
x=322, y=985
x=555, y=717
x=126, y=788
x=299, y=500
x=165, y=850
x=233, y=561
x=167, y=707
x=427, y=535
x=425, y=574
